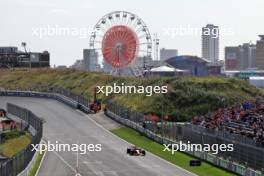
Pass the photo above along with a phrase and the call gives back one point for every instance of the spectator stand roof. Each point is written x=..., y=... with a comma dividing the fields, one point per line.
x=166, y=69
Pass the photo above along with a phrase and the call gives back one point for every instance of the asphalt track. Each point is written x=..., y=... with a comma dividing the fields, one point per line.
x=68, y=126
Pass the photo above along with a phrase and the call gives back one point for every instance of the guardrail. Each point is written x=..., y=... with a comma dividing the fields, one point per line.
x=131, y=119
x=78, y=103
x=19, y=162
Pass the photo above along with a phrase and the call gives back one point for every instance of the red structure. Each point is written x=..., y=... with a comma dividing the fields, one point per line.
x=120, y=46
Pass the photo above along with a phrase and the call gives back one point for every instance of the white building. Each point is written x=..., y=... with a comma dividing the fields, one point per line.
x=90, y=60
x=257, y=81
x=210, y=43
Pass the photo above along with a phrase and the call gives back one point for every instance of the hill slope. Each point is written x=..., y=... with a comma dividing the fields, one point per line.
x=187, y=96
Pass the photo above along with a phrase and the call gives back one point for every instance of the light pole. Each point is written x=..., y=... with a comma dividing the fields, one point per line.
x=162, y=128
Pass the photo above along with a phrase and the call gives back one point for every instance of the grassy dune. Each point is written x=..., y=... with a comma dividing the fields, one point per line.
x=187, y=96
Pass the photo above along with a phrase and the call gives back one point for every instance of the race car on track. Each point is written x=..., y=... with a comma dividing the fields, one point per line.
x=135, y=151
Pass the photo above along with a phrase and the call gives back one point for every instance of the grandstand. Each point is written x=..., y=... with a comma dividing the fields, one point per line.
x=241, y=125
x=246, y=119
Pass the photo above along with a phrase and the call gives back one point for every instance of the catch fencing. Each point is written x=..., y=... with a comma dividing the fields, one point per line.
x=80, y=99
x=245, y=152
x=173, y=133
x=34, y=125
x=63, y=95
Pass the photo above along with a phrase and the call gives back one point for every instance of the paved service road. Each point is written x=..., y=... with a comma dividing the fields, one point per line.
x=68, y=126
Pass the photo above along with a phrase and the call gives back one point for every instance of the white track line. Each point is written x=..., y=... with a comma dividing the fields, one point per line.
x=64, y=161
x=99, y=125
x=41, y=162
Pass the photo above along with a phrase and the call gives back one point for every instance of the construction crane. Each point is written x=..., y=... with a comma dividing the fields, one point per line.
x=24, y=45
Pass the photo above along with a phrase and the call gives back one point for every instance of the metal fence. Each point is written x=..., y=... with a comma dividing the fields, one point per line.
x=62, y=95
x=244, y=152
x=241, y=161
x=66, y=92
x=54, y=90
x=19, y=162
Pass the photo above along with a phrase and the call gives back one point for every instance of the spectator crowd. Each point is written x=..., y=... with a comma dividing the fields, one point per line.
x=246, y=119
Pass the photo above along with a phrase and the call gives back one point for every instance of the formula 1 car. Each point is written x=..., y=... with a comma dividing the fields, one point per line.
x=135, y=151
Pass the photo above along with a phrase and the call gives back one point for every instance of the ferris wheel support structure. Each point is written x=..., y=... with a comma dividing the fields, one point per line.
x=121, y=39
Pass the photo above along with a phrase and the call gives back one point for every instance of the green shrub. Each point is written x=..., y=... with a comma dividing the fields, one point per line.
x=11, y=135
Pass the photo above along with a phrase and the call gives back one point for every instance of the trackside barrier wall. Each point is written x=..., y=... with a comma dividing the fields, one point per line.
x=245, y=150
x=131, y=119
x=82, y=105
x=16, y=164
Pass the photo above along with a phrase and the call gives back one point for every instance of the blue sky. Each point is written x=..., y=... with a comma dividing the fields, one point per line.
x=19, y=18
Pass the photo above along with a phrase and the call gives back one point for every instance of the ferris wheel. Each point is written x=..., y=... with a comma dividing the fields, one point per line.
x=120, y=38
